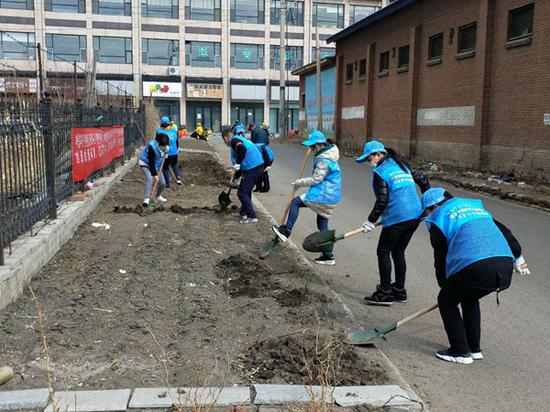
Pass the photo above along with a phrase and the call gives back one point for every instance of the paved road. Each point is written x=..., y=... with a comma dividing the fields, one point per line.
x=515, y=374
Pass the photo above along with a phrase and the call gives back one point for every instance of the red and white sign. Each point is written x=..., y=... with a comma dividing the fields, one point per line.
x=95, y=148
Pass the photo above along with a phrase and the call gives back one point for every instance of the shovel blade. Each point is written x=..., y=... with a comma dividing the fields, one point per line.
x=320, y=241
x=268, y=247
x=224, y=200
x=365, y=337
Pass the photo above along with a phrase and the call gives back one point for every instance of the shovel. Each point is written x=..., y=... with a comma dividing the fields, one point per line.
x=268, y=247
x=324, y=241
x=156, y=183
x=372, y=336
x=224, y=198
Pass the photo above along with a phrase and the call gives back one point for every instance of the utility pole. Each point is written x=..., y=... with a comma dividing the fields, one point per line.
x=318, y=70
x=74, y=81
x=41, y=89
x=282, y=69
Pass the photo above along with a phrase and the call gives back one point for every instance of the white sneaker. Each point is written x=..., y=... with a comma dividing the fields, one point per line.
x=161, y=199
x=477, y=355
x=146, y=202
x=447, y=355
x=249, y=220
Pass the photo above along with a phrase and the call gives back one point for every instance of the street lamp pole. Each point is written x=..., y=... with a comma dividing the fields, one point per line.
x=282, y=70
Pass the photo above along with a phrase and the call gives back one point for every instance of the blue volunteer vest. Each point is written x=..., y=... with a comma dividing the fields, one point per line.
x=270, y=154
x=329, y=191
x=158, y=155
x=253, y=156
x=404, y=203
x=471, y=233
x=172, y=139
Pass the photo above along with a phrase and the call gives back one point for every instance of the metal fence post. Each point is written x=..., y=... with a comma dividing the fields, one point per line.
x=49, y=151
x=1, y=248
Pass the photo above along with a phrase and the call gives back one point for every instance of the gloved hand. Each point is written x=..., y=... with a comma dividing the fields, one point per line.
x=520, y=266
x=368, y=227
x=166, y=156
x=237, y=167
x=233, y=183
x=267, y=169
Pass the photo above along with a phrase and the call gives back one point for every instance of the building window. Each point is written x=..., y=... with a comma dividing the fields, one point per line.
x=247, y=11
x=325, y=52
x=113, y=49
x=328, y=15
x=17, y=4
x=384, y=62
x=206, y=10
x=357, y=13
x=65, y=47
x=467, y=38
x=520, y=22
x=112, y=7
x=349, y=72
x=202, y=54
x=65, y=6
x=403, y=57
x=294, y=57
x=160, y=52
x=435, y=47
x=294, y=12
x=362, y=69
x=167, y=9
x=17, y=46
x=247, y=56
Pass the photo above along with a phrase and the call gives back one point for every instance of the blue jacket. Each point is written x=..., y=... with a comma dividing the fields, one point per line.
x=144, y=155
x=471, y=233
x=267, y=154
x=404, y=203
x=329, y=190
x=253, y=157
x=173, y=140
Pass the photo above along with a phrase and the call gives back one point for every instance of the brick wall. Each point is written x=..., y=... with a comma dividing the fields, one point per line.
x=489, y=106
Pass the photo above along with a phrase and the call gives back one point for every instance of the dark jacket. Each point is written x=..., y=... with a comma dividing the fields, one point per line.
x=439, y=243
x=381, y=189
x=259, y=136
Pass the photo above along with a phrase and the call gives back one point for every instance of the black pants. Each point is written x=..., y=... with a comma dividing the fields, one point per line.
x=393, y=241
x=263, y=184
x=249, y=179
x=466, y=288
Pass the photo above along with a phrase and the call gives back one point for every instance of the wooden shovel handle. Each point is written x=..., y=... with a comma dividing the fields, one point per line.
x=156, y=183
x=416, y=315
x=357, y=231
x=293, y=191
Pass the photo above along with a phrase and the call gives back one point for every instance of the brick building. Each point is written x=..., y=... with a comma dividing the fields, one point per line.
x=464, y=83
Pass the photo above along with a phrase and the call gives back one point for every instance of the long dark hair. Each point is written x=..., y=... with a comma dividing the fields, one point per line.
x=400, y=160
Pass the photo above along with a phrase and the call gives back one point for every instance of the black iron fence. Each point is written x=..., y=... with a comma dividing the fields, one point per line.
x=36, y=156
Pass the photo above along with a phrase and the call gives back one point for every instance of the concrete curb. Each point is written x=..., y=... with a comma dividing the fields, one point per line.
x=31, y=253
x=389, y=397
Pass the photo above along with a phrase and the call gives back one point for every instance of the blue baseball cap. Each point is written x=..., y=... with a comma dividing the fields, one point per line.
x=164, y=121
x=432, y=197
x=371, y=147
x=314, y=137
x=239, y=129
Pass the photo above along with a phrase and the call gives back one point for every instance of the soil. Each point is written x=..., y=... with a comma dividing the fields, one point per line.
x=175, y=295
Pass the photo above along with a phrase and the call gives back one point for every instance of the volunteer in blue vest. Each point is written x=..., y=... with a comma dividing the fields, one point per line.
x=324, y=193
x=150, y=160
x=263, y=185
x=172, y=161
x=474, y=256
x=398, y=206
x=248, y=162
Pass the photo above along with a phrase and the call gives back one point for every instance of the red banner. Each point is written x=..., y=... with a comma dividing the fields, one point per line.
x=95, y=148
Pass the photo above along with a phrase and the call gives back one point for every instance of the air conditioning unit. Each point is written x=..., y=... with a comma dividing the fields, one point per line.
x=173, y=71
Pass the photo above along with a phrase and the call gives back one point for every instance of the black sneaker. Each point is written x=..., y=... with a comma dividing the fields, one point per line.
x=380, y=298
x=450, y=356
x=282, y=232
x=325, y=260
x=399, y=295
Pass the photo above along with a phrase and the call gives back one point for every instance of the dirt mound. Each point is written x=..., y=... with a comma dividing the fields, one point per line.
x=138, y=209
x=143, y=211
x=202, y=170
x=299, y=297
x=246, y=275
x=308, y=360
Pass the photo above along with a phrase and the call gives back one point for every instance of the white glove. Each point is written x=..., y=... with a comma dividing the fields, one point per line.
x=368, y=227
x=233, y=183
x=520, y=266
x=237, y=167
x=166, y=156
x=267, y=169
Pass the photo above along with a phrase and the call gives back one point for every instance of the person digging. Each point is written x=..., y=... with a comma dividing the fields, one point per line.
x=150, y=161
x=324, y=190
x=248, y=164
x=474, y=255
